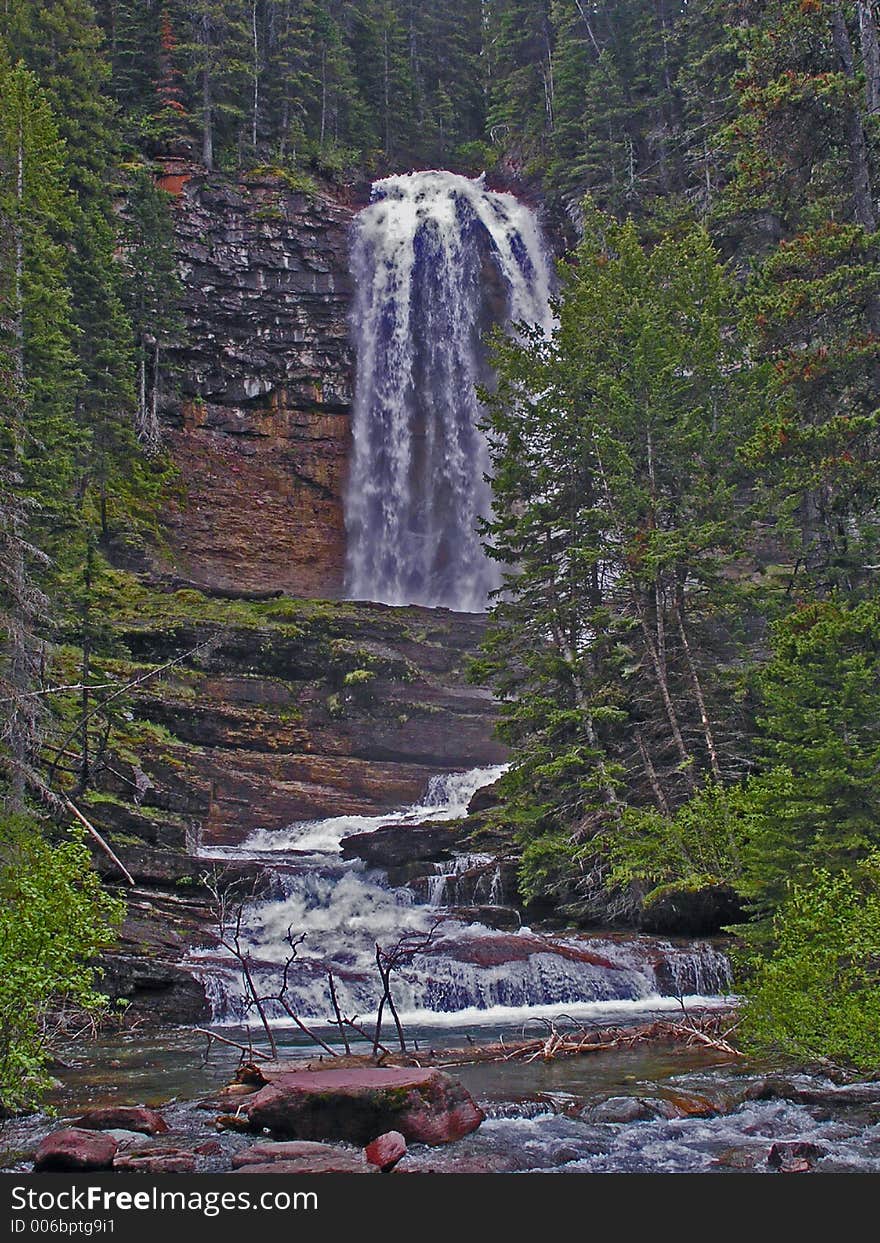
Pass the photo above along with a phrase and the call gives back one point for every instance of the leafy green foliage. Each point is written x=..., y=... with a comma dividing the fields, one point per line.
x=817, y=995
x=54, y=920
x=702, y=844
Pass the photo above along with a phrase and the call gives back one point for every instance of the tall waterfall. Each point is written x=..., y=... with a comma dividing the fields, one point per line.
x=437, y=260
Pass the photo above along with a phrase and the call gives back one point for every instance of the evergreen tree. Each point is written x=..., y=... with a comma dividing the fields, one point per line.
x=38, y=385
x=154, y=292
x=619, y=506
x=218, y=55
x=803, y=200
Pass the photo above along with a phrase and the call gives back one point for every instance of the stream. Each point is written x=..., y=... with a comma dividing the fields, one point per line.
x=646, y=1108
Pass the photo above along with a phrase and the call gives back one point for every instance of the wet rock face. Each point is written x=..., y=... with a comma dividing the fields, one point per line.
x=259, y=425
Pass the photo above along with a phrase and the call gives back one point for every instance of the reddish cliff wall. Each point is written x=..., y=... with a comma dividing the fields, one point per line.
x=259, y=422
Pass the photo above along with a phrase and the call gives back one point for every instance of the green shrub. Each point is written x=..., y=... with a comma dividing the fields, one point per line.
x=817, y=995
x=54, y=919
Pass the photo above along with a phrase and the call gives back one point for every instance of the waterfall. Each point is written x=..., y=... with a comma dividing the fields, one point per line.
x=437, y=260
x=464, y=968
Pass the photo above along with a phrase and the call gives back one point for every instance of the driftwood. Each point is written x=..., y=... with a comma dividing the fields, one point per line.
x=75, y=811
x=705, y=1030
x=246, y=1049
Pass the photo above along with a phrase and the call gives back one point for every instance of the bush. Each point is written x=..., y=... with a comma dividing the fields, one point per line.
x=54, y=919
x=700, y=845
x=817, y=995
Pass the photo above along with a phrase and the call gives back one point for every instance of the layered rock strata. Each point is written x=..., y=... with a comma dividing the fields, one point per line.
x=257, y=396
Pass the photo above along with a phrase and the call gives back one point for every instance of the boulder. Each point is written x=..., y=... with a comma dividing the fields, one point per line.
x=289, y=1150
x=621, y=1109
x=386, y=1151
x=210, y=1148
x=124, y=1118
x=685, y=1105
x=335, y=1163
x=75, y=1148
x=357, y=1105
x=794, y=1156
x=168, y=1161
x=484, y=799
x=395, y=846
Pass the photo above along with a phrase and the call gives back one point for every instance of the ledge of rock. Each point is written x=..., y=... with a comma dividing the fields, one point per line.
x=359, y=1104
x=395, y=845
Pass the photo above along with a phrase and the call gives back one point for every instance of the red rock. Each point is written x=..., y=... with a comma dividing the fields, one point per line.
x=687, y=1105
x=289, y=1150
x=386, y=1151
x=74, y=1148
x=334, y=1162
x=425, y=1106
x=124, y=1118
x=496, y=951
x=211, y=1148
x=174, y=1161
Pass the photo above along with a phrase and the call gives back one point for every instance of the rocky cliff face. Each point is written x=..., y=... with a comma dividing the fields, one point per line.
x=259, y=422
x=253, y=715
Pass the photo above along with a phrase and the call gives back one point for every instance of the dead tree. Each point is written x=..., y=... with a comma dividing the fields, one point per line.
x=390, y=960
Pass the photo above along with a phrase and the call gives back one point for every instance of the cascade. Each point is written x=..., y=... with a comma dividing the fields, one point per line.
x=437, y=259
x=468, y=969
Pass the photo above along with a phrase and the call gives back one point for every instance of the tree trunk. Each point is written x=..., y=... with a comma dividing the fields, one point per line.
x=651, y=774
x=860, y=171
x=207, y=123
x=698, y=695
x=870, y=54
x=19, y=260
x=256, y=108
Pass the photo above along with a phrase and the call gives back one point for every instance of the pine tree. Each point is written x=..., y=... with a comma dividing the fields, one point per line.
x=219, y=58
x=154, y=290
x=619, y=508
x=803, y=203
x=519, y=40
x=38, y=385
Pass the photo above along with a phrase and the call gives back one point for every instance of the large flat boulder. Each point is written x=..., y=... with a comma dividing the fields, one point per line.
x=124, y=1117
x=301, y=1157
x=74, y=1148
x=360, y=1104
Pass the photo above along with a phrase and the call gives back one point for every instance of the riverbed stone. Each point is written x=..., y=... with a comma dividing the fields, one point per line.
x=386, y=1151
x=794, y=1156
x=166, y=1161
x=685, y=1105
x=621, y=1109
x=425, y=1106
x=75, y=1148
x=125, y=1118
x=288, y=1150
x=333, y=1163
